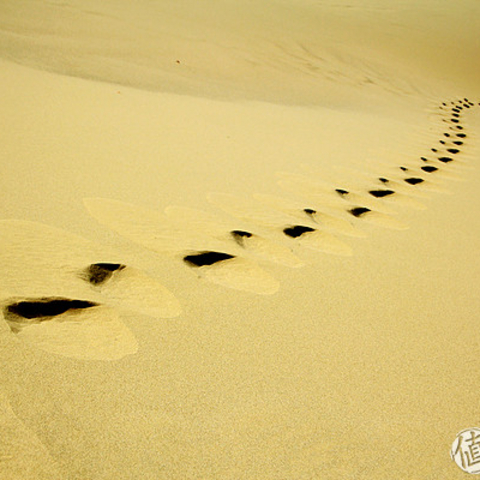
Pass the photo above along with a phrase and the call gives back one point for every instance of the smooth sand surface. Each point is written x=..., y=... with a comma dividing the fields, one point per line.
x=238, y=240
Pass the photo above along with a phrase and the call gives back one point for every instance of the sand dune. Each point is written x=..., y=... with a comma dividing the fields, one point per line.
x=238, y=240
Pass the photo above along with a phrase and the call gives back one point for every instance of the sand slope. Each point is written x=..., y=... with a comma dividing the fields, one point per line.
x=270, y=210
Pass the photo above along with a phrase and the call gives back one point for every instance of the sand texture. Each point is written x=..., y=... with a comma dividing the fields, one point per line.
x=238, y=240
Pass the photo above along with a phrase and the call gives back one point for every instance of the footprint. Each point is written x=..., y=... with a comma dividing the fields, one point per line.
x=73, y=328
x=414, y=180
x=317, y=240
x=99, y=273
x=367, y=215
x=128, y=287
x=359, y=211
x=28, y=312
x=240, y=236
x=396, y=196
x=204, y=259
x=297, y=231
x=233, y=272
x=429, y=168
x=381, y=193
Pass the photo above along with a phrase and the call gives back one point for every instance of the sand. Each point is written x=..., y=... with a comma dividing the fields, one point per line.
x=238, y=240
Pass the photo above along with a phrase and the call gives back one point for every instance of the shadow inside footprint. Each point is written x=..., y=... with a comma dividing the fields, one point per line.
x=203, y=259
x=461, y=135
x=98, y=273
x=27, y=312
x=297, y=231
x=240, y=235
x=359, y=211
x=429, y=169
x=381, y=193
x=342, y=192
x=445, y=159
x=413, y=180
x=453, y=150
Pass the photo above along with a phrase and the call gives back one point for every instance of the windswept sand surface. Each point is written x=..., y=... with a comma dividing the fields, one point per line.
x=238, y=240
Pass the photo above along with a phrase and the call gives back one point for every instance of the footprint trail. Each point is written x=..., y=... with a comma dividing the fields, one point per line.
x=64, y=295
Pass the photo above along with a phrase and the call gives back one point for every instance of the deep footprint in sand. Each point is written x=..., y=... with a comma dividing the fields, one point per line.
x=99, y=273
x=73, y=328
x=317, y=240
x=367, y=215
x=28, y=312
x=129, y=287
x=232, y=272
